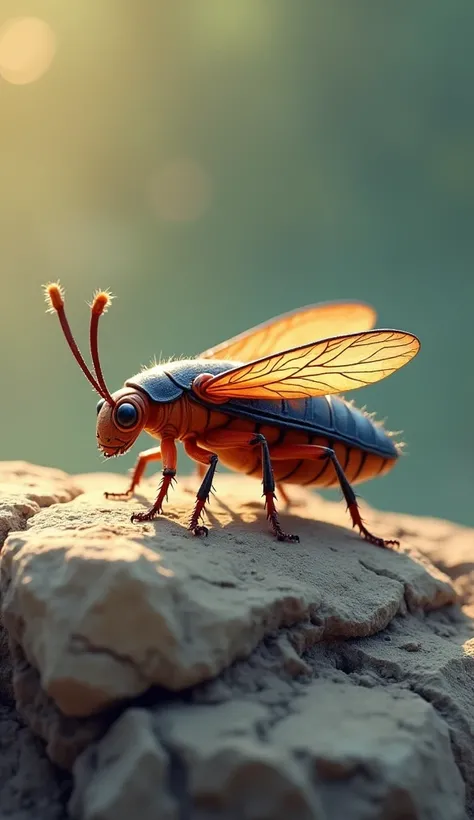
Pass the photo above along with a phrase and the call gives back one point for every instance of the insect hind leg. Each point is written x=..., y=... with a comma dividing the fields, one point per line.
x=268, y=481
x=287, y=499
x=317, y=451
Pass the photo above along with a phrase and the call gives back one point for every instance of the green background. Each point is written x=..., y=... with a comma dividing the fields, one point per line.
x=334, y=145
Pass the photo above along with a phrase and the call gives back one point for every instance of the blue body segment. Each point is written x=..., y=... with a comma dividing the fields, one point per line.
x=328, y=416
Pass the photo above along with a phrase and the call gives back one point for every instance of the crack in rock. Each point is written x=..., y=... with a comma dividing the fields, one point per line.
x=69, y=576
x=443, y=677
x=238, y=677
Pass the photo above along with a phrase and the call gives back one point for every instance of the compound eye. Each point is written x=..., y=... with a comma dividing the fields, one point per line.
x=126, y=415
x=100, y=405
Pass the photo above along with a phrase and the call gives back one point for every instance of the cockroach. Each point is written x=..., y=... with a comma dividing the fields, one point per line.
x=262, y=403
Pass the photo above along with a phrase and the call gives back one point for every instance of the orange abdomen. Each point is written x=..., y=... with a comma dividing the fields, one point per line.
x=358, y=464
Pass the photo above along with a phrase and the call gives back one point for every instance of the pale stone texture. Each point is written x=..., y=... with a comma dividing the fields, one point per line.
x=434, y=658
x=104, y=609
x=331, y=679
x=326, y=749
x=30, y=786
x=26, y=488
x=342, y=751
x=65, y=736
x=130, y=774
x=448, y=545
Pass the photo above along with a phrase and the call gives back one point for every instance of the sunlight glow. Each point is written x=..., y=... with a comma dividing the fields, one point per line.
x=243, y=25
x=180, y=191
x=27, y=49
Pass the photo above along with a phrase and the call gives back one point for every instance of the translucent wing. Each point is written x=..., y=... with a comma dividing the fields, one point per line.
x=298, y=327
x=332, y=365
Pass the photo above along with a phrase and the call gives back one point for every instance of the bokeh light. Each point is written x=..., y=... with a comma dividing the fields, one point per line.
x=27, y=49
x=181, y=191
x=221, y=166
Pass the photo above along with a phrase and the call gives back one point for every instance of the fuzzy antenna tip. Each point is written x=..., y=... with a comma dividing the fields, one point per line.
x=101, y=301
x=54, y=295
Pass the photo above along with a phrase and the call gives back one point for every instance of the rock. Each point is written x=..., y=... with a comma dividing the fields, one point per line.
x=368, y=751
x=65, y=737
x=30, y=788
x=26, y=488
x=236, y=677
x=440, y=671
x=104, y=609
x=337, y=750
x=130, y=773
x=449, y=546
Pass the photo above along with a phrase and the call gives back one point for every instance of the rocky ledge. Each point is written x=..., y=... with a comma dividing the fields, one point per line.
x=144, y=670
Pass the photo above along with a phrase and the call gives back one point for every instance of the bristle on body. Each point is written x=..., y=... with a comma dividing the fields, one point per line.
x=399, y=445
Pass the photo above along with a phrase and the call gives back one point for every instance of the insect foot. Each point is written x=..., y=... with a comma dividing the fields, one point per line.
x=119, y=496
x=272, y=517
x=140, y=517
x=380, y=542
x=199, y=530
x=365, y=533
x=169, y=476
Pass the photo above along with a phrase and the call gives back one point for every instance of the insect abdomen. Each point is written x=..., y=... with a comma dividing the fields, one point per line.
x=325, y=416
x=358, y=464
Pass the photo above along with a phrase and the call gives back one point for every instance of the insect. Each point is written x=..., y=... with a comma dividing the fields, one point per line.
x=263, y=403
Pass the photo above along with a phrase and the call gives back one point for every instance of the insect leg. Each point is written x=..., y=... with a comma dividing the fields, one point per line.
x=170, y=459
x=227, y=439
x=200, y=470
x=286, y=498
x=154, y=454
x=316, y=451
x=269, y=490
x=222, y=439
x=204, y=458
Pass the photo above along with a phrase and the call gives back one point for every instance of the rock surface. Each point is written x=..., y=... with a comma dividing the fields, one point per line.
x=104, y=609
x=30, y=786
x=234, y=676
x=26, y=488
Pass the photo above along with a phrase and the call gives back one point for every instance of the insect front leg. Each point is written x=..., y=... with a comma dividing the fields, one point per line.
x=204, y=459
x=154, y=454
x=170, y=460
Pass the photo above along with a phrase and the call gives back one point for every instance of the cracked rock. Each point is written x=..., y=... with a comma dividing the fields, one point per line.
x=26, y=488
x=233, y=677
x=125, y=776
x=105, y=609
x=339, y=751
x=434, y=658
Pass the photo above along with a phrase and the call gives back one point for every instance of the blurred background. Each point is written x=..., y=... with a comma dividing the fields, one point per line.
x=216, y=163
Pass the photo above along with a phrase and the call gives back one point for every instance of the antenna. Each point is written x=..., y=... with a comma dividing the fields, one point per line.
x=54, y=294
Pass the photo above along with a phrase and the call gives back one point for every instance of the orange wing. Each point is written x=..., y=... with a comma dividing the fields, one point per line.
x=298, y=327
x=331, y=365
